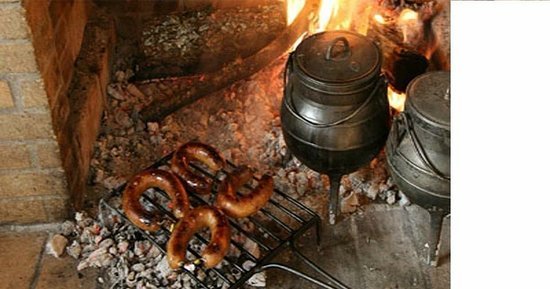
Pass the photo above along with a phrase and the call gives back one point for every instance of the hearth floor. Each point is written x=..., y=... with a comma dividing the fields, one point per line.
x=378, y=247
x=25, y=264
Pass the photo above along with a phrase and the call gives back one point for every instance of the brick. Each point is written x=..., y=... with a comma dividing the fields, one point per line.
x=69, y=21
x=57, y=208
x=17, y=184
x=25, y=126
x=66, y=69
x=17, y=58
x=12, y=22
x=52, y=82
x=34, y=93
x=57, y=9
x=42, y=33
x=14, y=157
x=60, y=111
x=77, y=17
x=22, y=211
x=6, y=100
x=48, y=155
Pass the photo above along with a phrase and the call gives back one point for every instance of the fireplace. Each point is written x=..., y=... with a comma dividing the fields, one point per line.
x=54, y=84
x=93, y=92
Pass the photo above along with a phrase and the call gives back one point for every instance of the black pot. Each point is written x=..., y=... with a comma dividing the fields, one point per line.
x=418, y=148
x=335, y=112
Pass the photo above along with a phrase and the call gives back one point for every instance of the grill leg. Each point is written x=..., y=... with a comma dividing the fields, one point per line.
x=436, y=222
x=334, y=204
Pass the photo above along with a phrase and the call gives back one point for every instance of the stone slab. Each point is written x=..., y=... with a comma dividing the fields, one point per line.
x=379, y=248
x=19, y=255
x=61, y=273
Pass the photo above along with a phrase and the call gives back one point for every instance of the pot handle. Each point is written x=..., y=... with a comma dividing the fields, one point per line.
x=347, y=50
x=404, y=118
x=371, y=96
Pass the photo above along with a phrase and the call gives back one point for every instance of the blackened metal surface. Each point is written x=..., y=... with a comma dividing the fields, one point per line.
x=335, y=111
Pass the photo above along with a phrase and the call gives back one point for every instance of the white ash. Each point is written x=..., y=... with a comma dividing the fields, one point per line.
x=128, y=260
x=243, y=123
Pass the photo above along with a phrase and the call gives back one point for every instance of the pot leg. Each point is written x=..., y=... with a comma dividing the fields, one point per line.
x=334, y=204
x=436, y=222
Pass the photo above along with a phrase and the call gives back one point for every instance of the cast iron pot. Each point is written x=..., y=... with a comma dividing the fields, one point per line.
x=335, y=111
x=418, y=148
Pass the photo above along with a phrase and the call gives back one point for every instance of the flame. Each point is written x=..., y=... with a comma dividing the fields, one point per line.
x=293, y=8
x=408, y=21
x=326, y=11
x=397, y=100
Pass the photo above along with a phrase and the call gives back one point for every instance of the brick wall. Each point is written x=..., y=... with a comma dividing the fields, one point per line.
x=57, y=28
x=39, y=44
x=32, y=182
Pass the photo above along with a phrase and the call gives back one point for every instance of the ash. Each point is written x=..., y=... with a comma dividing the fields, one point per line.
x=129, y=260
x=243, y=123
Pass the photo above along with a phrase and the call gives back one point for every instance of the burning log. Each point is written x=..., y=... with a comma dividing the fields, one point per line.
x=174, y=93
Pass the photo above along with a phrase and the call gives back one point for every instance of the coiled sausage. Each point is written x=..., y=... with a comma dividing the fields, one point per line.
x=196, y=152
x=154, y=178
x=200, y=217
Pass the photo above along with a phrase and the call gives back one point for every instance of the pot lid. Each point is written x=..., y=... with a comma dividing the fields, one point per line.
x=429, y=97
x=338, y=56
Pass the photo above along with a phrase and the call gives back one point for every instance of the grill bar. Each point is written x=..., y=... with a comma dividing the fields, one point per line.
x=279, y=235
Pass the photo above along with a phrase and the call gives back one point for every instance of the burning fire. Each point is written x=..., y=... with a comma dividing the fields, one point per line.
x=328, y=8
x=334, y=15
x=293, y=8
x=380, y=19
x=397, y=100
x=407, y=15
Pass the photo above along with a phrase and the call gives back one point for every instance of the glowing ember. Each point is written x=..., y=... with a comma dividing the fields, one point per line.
x=380, y=19
x=397, y=100
x=293, y=8
x=407, y=15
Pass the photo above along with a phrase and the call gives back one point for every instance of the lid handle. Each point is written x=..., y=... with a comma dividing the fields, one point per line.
x=340, y=56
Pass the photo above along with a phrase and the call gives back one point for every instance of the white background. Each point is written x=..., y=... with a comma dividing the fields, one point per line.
x=500, y=124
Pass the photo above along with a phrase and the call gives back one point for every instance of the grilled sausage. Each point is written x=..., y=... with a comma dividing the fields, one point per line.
x=242, y=206
x=198, y=218
x=196, y=152
x=154, y=178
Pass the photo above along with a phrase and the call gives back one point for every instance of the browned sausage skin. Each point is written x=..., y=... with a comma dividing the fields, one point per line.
x=154, y=178
x=196, y=152
x=198, y=218
x=237, y=206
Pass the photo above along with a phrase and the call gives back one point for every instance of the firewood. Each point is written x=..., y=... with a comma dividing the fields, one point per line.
x=182, y=91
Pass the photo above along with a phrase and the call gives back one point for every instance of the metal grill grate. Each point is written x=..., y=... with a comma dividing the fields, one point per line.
x=275, y=228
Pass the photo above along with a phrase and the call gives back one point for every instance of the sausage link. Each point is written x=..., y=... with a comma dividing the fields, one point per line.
x=200, y=217
x=196, y=152
x=237, y=206
x=154, y=178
